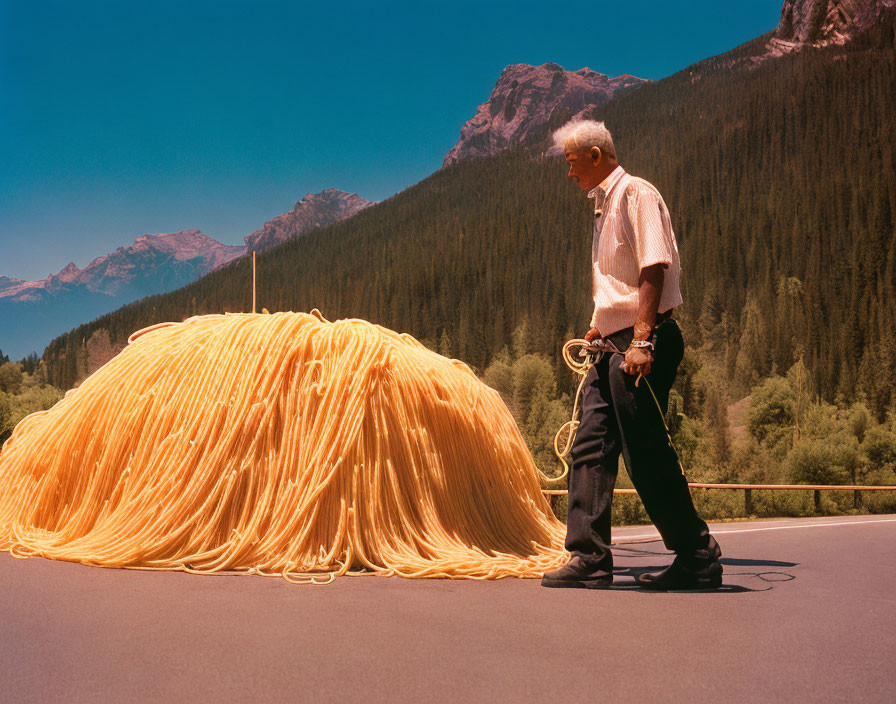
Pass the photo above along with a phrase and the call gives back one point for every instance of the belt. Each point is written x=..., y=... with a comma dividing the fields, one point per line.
x=660, y=317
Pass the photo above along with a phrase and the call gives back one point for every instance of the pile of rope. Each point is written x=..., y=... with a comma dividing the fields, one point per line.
x=282, y=445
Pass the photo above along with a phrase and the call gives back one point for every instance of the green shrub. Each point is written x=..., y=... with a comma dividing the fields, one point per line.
x=879, y=446
x=815, y=461
x=11, y=377
x=5, y=416
x=879, y=501
x=783, y=503
x=628, y=510
x=717, y=503
x=770, y=417
x=859, y=420
x=752, y=463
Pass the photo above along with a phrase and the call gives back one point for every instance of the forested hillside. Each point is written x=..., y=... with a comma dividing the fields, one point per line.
x=780, y=180
x=783, y=184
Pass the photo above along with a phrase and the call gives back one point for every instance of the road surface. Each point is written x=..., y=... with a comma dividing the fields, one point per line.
x=806, y=614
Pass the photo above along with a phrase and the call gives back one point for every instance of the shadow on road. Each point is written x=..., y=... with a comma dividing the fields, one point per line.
x=756, y=563
x=733, y=582
x=729, y=585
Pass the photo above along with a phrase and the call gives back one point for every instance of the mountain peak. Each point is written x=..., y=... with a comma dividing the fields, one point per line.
x=8, y=282
x=823, y=22
x=314, y=210
x=184, y=244
x=68, y=273
x=529, y=101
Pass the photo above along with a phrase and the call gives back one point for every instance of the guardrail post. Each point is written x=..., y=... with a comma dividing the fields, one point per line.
x=748, y=501
x=856, y=498
x=817, y=501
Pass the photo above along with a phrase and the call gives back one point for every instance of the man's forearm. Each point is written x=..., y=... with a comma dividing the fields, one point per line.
x=650, y=289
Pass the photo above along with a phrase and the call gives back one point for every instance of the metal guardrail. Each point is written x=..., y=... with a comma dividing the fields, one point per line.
x=749, y=488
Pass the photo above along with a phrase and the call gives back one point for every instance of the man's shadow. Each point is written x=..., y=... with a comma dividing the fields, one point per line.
x=766, y=577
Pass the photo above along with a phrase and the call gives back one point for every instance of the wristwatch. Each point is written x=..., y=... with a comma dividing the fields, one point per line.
x=642, y=344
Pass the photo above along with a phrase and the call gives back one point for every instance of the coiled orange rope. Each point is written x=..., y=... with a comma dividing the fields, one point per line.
x=281, y=445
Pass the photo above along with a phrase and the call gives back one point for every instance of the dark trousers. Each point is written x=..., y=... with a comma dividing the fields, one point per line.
x=618, y=417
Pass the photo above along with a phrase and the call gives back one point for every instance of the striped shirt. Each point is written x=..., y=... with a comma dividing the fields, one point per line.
x=632, y=230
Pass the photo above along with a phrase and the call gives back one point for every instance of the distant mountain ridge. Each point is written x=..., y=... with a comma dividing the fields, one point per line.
x=529, y=101
x=33, y=312
x=133, y=269
x=314, y=210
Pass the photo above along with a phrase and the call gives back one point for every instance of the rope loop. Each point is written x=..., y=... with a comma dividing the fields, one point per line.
x=581, y=367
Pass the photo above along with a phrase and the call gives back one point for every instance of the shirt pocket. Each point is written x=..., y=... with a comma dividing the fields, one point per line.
x=623, y=261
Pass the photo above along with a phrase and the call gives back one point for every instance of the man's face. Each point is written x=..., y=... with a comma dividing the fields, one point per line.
x=584, y=166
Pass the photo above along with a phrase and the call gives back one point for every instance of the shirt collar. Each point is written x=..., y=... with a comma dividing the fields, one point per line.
x=607, y=184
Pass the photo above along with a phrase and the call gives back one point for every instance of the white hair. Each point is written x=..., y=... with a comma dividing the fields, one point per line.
x=585, y=134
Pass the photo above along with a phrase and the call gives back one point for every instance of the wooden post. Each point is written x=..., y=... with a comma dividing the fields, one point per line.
x=253, y=280
x=817, y=501
x=748, y=501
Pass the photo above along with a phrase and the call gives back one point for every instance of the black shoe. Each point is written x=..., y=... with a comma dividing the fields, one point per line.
x=677, y=576
x=578, y=574
x=702, y=570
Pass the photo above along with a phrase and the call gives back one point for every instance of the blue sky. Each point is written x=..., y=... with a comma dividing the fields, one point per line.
x=123, y=118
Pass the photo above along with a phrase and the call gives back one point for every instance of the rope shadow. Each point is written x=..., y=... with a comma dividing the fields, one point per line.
x=735, y=561
x=769, y=577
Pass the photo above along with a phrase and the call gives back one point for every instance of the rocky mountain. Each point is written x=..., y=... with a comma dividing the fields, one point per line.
x=32, y=312
x=823, y=22
x=6, y=282
x=314, y=210
x=530, y=101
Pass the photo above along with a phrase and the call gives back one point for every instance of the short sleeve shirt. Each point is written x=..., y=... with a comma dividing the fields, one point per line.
x=632, y=230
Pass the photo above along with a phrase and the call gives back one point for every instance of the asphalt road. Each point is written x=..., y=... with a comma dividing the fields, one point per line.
x=806, y=615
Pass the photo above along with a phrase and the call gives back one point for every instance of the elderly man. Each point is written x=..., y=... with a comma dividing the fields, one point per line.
x=635, y=271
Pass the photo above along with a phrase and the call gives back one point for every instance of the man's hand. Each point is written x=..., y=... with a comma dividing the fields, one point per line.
x=637, y=361
x=592, y=334
x=650, y=288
